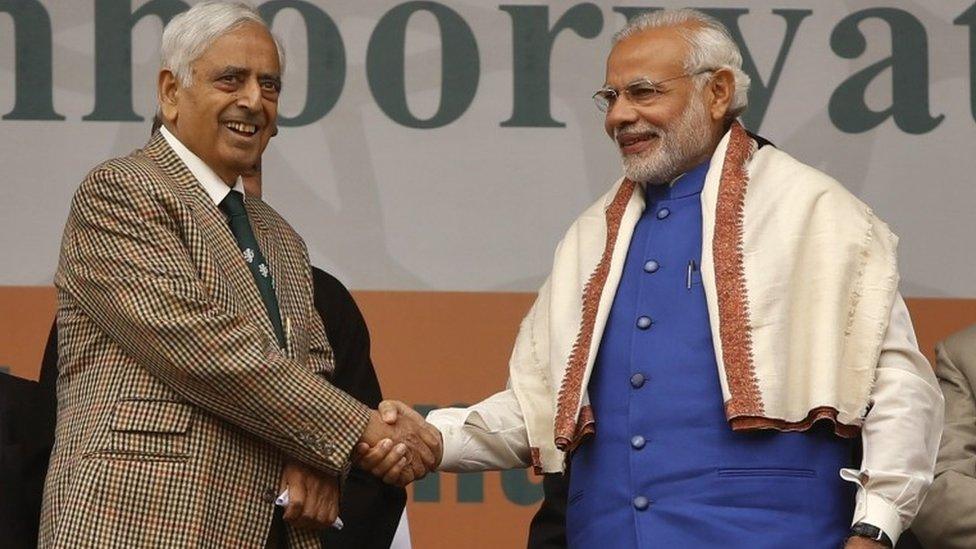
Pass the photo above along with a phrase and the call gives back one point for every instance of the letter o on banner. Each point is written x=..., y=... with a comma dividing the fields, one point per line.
x=460, y=65
x=326, y=60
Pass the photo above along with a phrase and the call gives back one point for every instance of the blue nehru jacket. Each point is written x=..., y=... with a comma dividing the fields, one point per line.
x=664, y=468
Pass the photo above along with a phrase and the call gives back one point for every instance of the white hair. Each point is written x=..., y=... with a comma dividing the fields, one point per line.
x=190, y=33
x=711, y=47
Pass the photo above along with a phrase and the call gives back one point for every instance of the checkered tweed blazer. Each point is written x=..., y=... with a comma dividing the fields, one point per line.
x=176, y=407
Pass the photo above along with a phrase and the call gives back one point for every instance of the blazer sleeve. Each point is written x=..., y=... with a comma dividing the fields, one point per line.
x=947, y=518
x=125, y=265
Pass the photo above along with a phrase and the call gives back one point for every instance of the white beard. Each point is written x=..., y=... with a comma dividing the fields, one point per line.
x=686, y=140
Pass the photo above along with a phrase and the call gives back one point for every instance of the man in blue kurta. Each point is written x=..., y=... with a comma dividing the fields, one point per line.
x=664, y=461
x=715, y=332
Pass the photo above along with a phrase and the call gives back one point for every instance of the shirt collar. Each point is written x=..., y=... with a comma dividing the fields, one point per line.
x=211, y=182
x=687, y=184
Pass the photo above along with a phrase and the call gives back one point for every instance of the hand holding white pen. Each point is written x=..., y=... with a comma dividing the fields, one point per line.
x=282, y=501
x=310, y=498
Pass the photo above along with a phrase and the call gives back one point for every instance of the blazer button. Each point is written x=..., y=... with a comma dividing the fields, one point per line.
x=644, y=322
x=651, y=266
x=641, y=503
x=637, y=442
x=637, y=380
x=663, y=213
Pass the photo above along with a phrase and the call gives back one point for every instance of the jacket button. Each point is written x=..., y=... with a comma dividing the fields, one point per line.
x=644, y=322
x=637, y=442
x=637, y=380
x=663, y=213
x=641, y=503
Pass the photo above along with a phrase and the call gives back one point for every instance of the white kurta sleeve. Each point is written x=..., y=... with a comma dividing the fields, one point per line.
x=486, y=436
x=901, y=432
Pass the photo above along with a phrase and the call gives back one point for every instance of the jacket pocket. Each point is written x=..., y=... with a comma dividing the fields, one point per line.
x=148, y=430
x=753, y=472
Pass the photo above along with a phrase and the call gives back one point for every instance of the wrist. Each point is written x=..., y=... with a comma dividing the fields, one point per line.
x=864, y=534
x=376, y=430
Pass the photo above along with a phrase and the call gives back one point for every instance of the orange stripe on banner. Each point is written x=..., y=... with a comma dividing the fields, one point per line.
x=26, y=314
x=434, y=348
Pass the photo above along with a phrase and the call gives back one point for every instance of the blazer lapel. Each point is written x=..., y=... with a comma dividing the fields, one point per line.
x=213, y=226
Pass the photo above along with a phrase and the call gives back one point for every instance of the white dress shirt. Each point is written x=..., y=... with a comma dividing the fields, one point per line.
x=900, y=433
x=215, y=187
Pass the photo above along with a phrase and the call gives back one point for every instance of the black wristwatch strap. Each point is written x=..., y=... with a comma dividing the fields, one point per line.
x=870, y=531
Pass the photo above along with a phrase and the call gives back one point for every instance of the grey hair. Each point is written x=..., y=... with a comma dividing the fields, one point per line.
x=711, y=47
x=190, y=33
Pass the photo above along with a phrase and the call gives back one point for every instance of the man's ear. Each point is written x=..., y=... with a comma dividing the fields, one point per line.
x=169, y=95
x=722, y=88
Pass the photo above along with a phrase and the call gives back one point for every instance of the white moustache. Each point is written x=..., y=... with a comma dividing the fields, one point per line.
x=636, y=129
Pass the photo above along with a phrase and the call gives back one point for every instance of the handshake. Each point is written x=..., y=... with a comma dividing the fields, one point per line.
x=398, y=446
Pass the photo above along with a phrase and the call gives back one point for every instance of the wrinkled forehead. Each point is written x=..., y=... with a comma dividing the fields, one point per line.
x=654, y=54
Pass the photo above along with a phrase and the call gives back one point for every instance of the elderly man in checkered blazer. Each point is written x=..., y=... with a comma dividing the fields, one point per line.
x=194, y=371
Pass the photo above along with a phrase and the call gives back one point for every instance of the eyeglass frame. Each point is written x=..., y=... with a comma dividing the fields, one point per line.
x=605, y=105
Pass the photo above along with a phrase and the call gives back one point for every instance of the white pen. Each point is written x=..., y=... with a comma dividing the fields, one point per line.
x=287, y=333
x=282, y=501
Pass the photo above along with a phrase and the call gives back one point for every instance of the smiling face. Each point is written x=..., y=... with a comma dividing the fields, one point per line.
x=680, y=128
x=227, y=115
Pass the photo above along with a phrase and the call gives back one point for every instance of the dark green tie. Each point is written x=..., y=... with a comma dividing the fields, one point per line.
x=233, y=206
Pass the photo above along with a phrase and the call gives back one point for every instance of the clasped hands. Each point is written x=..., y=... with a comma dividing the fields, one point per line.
x=399, y=446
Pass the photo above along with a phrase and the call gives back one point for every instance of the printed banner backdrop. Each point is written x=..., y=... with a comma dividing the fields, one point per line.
x=433, y=153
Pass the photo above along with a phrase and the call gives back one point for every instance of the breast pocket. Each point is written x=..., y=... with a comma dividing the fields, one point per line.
x=767, y=492
x=764, y=472
x=149, y=430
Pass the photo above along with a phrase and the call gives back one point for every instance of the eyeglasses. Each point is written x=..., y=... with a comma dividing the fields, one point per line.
x=642, y=91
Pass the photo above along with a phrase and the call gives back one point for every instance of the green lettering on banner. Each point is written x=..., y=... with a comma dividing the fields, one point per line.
x=631, y=12
x=519, y=489
x=32, y=52
x=114, y=20
x=968, y=19
x=460, y=65
x=760, y=93
x=326, y=60
x=909, y=75
x=532, y=42
x=471, y=488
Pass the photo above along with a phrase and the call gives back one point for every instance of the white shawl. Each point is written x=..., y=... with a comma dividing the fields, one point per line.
x=799, y=277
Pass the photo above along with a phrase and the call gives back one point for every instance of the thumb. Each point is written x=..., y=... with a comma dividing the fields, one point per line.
x=388, y=411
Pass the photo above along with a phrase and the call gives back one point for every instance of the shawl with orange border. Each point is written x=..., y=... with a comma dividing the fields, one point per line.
x=799, y=277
